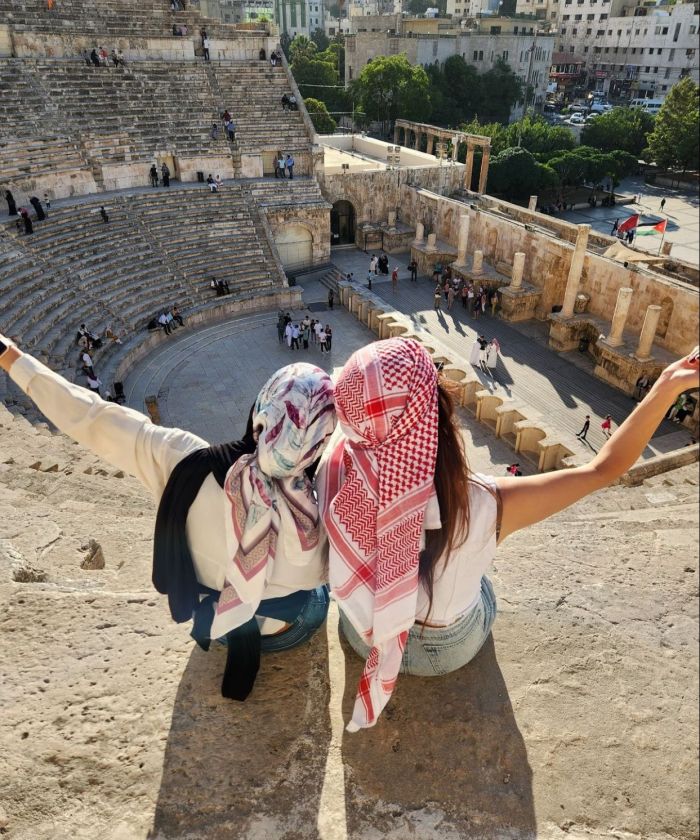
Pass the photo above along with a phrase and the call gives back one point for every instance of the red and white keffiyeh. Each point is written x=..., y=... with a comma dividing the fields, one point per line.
x=373, y=490
x=270, y=507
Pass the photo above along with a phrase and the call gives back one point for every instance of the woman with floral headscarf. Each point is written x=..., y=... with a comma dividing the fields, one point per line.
x=238, y=545
x=412, y=532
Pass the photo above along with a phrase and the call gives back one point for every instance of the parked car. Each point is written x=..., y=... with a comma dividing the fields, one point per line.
x=601, y=107
x=576, y=119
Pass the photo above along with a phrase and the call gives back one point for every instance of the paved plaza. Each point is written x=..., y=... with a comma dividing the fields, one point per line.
x=207, y=379
x=681, y=210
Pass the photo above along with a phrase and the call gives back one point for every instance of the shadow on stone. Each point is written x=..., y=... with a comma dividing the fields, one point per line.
x=247, y=769
x=447, y=746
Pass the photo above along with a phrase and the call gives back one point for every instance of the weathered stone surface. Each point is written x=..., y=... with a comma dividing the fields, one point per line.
x=578, y=720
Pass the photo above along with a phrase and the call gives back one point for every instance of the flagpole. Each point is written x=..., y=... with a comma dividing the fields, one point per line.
x=662, y=242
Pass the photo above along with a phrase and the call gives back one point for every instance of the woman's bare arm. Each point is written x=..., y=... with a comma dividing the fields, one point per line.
x=530, y=499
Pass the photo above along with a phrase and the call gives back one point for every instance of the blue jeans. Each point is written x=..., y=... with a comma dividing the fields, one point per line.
x=431, y=651
x=310, y=618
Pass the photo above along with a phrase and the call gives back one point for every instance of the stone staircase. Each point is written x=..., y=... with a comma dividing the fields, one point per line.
x=252, y=91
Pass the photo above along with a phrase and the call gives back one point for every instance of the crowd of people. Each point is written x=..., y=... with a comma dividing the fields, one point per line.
x=88, y=341
x=220, y=287
x=476, y=298
x=168, y=320
x=25, y=221
x=99, y=57
x=300, y=335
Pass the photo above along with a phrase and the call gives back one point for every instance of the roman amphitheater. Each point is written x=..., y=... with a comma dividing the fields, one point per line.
x=578, y=720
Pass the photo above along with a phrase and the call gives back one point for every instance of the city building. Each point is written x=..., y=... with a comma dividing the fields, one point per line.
x=482, y=43
x=295, y=17
x=629, y=49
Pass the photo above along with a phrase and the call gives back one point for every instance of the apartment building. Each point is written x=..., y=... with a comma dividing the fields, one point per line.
x=432, y=40
x=295, y=17
x=628, y=49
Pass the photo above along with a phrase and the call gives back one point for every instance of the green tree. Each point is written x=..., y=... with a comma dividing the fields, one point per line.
x=390, y=87
x=319, y=37
x=674, y=141
x=500, y=90
x=301, y=47
x=319, y=80
x=538, y=136
x=514, y=173
x=322, y=120
x=621, y=128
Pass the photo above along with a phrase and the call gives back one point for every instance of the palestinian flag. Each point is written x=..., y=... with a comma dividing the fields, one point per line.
x=650, y=228
x=629, y=224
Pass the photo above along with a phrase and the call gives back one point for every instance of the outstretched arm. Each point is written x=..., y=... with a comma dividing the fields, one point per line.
x=533, y=498
x=125, y=438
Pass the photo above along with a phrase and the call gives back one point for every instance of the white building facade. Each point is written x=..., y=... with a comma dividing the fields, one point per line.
x=295, y=17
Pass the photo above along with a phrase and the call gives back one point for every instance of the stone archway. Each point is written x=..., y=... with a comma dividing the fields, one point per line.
x=295, y=246
x=342, y=223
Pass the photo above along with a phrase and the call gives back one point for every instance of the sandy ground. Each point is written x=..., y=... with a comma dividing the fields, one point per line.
x=578, y=720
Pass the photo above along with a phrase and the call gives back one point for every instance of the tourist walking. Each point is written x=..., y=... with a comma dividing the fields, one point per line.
x=281, y=165
x=413, y=268
x=329, y=338
x=206, y=44
x=395, y=279
x=450, y=296
x=492, y=351
x=305, y=332
x=410, y=549
x=11, y=206
x=584, y=430
x=288, y=331
x=662, y=205
x=165, y=174
x=281, y=324
x=606, y=426
x=615, y=226
x=289, y=163
x=494, y=303
x=437, y=297
x=331, y=298
x=104, y=216
x=322, y=339
x=153, y=174
x=296, y=332
x=641, y=387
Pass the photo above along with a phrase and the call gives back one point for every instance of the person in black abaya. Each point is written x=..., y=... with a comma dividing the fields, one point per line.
x=38, y=209
x=28, y=226
x=11, y=206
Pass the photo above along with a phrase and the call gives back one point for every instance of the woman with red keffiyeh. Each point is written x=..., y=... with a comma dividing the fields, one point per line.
x=412, y=532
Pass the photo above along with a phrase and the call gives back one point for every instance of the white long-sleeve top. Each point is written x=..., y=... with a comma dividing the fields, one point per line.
x=129, y=441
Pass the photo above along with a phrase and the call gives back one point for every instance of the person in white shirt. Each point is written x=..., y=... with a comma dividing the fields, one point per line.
x=207, y=555
x=412, y=532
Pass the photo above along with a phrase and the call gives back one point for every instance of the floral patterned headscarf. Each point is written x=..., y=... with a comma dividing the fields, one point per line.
x=270, y=506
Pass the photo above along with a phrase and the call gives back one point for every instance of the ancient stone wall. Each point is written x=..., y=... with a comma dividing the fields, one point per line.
x=313, y=219
x=547, y=264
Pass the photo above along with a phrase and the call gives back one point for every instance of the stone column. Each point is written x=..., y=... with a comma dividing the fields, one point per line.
x=432, y=242
x=484, y=173
x=469, y=166
x=455, y=148
x=646, y=336
x=532, y=203
x=396, y=135
x=419, y=234
x=516, y=279
x=463, y=239
x=478, y=262
x=431, y=144
x=391, y=222
x=575, y=270
x=622, y=307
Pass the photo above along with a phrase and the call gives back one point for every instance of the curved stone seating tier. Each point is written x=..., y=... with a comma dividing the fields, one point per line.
x=138, y=18
x=158, y=249
x=510, y=419
x=278, y=193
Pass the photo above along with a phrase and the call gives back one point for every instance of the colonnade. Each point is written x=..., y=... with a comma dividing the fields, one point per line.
x=410, y=134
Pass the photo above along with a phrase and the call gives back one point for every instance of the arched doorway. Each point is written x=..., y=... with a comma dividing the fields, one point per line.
x=295, y=247
x=342, y=223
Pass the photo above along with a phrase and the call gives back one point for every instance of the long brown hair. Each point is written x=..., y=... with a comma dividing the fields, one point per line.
x=452, y=488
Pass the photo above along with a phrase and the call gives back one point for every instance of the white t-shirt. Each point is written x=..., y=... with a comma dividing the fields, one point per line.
x=129, y=441
x=457, y=583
